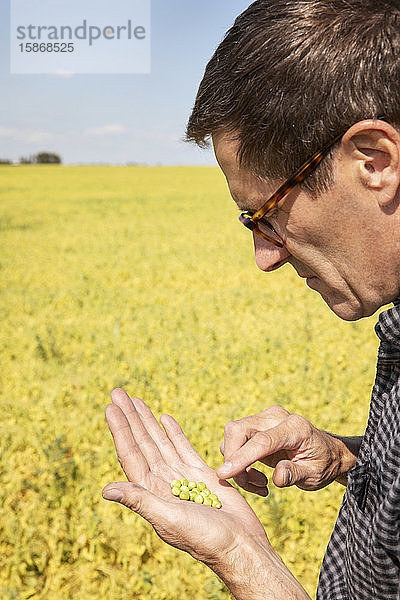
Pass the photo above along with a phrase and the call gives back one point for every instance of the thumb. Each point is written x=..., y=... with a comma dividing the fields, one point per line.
x=136, y=498
x=288, y=473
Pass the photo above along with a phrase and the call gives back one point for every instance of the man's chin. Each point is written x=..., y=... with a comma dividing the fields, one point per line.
x=346, y=313
x=347, y=309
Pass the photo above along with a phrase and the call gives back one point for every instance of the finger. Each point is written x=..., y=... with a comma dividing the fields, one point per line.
x=235, y=436
x=236, y=433
x=275, y=414
x=287, y=473
x=248, y=487
x=154, y=428
x=187, y=453
x=256, y=478
x=142, y=437
x=154, y=509
x=243, y=482
x=251, y=480
x=251, y=476
x=260, y=445
x=129, y=455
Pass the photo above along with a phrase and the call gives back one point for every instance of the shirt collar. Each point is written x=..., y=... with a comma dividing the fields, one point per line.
x=388, y=327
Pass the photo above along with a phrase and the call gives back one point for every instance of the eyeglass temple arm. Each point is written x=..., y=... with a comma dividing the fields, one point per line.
x=298, y=177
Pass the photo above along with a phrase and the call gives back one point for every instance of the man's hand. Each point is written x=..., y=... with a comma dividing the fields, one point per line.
x=300, y=453
x=151, y=459
x=230, y=540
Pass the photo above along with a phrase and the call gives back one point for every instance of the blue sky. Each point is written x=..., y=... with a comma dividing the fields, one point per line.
x=117, y=119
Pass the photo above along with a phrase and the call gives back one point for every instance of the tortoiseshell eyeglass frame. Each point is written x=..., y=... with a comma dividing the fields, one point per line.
x=251, y=219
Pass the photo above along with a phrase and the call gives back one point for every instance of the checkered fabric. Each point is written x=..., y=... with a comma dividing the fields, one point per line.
x=362, y=561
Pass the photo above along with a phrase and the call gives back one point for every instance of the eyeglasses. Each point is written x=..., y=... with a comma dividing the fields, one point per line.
x=257, y=221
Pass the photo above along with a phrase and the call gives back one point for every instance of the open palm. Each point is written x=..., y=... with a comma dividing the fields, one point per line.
x=151, y=458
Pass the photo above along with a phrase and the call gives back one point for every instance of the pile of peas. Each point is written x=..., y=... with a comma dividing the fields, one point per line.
x=196, y=492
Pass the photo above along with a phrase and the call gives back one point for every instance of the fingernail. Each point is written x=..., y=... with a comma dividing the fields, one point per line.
x=224, y=470
x=113, y=494
x=287, y=478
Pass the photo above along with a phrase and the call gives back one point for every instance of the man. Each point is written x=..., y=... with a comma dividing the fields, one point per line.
x=303, y=98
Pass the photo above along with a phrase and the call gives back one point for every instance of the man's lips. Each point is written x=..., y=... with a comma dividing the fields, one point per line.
x=311, y=281
x=276, y=266
x=305, y=275
x=302, y=274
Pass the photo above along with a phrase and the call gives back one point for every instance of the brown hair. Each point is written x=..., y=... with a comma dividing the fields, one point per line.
x=291, y=75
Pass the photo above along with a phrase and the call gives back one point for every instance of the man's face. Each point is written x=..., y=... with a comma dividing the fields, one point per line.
x=341, y=242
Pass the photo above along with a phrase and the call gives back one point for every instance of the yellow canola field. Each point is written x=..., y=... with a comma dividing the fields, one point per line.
x=143, y=278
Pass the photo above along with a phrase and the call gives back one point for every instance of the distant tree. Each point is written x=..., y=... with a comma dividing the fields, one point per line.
x=5, y=161
x=48, y=158
x=26, y=160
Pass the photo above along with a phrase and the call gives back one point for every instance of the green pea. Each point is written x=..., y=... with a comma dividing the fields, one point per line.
x=184, y=482
x=199, y=499
x=176, y=483
x=184, y=488
x=205, y=493
x=191, y=485
x=207, y=502
x=213, y=497
x=201, y=486
x=184, y=496
x=216, y=504
x=176, y=491
x=193, y=494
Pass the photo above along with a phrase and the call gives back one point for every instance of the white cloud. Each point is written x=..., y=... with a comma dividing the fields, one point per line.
x=31, y=136
x=112, y=129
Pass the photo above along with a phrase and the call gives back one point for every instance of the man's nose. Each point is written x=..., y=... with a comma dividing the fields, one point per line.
x=269, y=257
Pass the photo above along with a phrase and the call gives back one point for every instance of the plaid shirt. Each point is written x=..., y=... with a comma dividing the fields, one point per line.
x=362, y=561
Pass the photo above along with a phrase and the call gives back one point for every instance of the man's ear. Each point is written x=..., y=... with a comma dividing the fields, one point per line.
x=373, y=148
